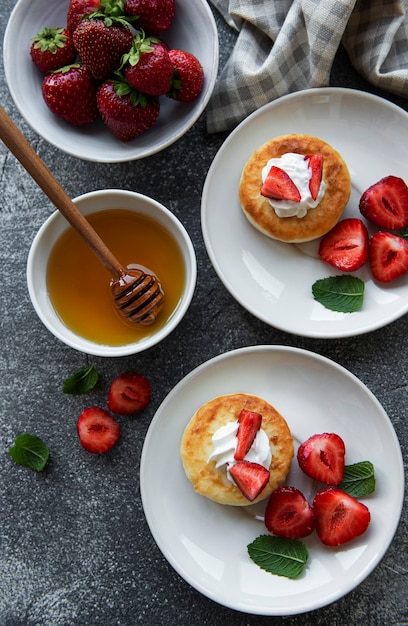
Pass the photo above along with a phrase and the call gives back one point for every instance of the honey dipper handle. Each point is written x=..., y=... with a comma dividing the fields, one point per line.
x=29, y=159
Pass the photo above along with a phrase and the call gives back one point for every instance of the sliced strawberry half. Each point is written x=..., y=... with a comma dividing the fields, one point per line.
x=251, y=478
x=339, y=517
x=388, y=255
x=288, y=513
x=249, y=424
x=98, y=431
x=129, y=393
x=278, y=185
x=386, y=203
x=316, y=166
x=322, y=457
x=346, y=245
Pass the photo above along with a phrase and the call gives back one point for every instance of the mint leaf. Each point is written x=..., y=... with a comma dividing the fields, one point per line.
x=82, y=381
x=359, y=479
x=30, y=451
x=404, y=232
x=278, y=555
x=340, y=293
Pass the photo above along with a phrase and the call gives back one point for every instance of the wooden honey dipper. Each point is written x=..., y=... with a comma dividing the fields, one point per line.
x=136, y=291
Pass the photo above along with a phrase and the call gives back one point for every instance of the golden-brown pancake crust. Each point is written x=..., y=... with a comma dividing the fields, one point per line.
x=317, y=221
x=196, y=447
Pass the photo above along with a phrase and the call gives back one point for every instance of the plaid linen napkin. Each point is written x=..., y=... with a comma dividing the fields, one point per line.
x=285, y=46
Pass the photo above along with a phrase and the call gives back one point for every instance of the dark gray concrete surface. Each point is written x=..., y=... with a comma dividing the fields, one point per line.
x=75, y=548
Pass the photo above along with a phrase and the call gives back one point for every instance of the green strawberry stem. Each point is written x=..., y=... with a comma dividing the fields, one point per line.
x=140, y=45
x=122, y=88
x=112, y=12
x=50, y=39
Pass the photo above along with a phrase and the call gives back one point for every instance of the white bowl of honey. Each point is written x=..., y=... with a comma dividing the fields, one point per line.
x=70, y=288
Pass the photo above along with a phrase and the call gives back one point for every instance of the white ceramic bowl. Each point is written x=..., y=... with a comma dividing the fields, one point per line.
x=193, y=30
x=56, y=224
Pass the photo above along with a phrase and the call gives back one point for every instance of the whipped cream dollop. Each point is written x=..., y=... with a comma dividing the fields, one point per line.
x=225, y=442
x=297, y=167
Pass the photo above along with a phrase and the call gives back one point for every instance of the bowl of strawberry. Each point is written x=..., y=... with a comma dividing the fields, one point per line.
x=111, y=80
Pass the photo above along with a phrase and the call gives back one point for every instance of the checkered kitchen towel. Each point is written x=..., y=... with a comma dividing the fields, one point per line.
x=288, y=45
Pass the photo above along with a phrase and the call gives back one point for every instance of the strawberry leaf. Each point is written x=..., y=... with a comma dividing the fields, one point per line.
x=359, y=479
x=112, y=12
x=343, y=293
x=404, y=232
x=30, y=451
x=278, y=555
x=82, y=381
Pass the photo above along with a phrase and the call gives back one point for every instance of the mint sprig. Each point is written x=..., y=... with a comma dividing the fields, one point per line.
x=30, y=451
x=81, y=381
x=278, y=555
x=344, y=294
x=359, y=479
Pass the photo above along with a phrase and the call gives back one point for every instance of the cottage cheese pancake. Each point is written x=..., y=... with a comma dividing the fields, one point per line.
x=209, y=439
x=306, y=218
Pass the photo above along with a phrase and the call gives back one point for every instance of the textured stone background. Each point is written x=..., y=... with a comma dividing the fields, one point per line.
x=75, y=548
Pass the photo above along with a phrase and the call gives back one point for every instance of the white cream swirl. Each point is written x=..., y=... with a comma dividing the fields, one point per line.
x=225, y=442
x=297, y=167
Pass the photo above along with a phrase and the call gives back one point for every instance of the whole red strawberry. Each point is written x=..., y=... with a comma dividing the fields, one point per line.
x=154, y=16
x=101, y=42
x=77, y=9
x=126, y=112
x=70, y=93
x=188, y=77
x=147, y=66
x=52, y=48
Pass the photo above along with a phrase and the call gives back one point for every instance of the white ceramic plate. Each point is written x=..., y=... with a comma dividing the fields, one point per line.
x=206, y=542
x=273, y=280
x=193, y=29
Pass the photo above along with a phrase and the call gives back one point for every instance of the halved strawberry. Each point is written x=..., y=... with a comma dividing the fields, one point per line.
x=249, y=424
x=251, y=478
x=129, y=393
x=388, y=255
x=386, y=203
x=288, y=513
x=345, y=246
x=339, y=517
x=316, y=166
x=322, y=457
x=278, y=185
x=98, y=431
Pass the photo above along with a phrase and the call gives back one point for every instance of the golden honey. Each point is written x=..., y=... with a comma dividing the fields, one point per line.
x=79, y=285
